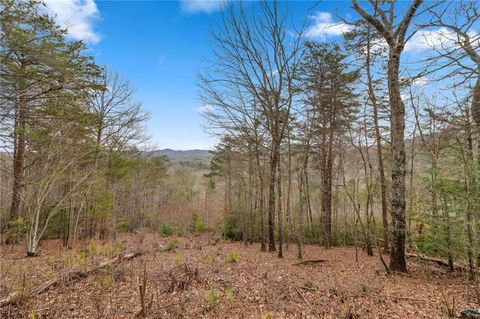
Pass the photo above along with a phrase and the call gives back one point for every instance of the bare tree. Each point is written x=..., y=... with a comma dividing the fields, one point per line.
x=457, y=49
x=365, y=42
x=256, y=61
x=384, y=20
x=117, y=125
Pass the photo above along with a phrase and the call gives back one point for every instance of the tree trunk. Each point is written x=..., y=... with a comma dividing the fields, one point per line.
x=397, y=252
x=19, y=145
x=300, y=215
x=280, y=211
x=251, y=217
x=378, y=140
x=261, y=204
x=327, y=191
x=271, y=195
x=476, y=101
x=289, y=193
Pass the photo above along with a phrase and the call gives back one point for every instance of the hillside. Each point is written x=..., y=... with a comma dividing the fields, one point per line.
x=182, y=154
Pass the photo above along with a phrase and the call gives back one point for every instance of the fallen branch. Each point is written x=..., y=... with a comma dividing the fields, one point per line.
x=383, y=260
x=434, y=260
x=309, y=262
x=69, y=278
x=308, y=288
x=304, y=299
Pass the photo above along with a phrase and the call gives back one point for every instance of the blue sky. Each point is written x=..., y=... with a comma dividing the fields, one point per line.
x=159, y=45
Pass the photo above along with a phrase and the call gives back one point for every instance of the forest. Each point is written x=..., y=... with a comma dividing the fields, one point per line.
x=345, y=182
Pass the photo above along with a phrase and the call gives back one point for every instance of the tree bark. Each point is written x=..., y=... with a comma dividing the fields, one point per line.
x=327, y=168
x=396, y=37
x=271, y=195
x=261, y=204
x=280, y=211
x=378, y=140
x=19, y=145
x=397, y=253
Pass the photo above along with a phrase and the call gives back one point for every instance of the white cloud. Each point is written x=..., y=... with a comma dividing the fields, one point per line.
x=205, y=6
x=323, y=25
x=421, y=81
x=425, y=40
x=207, y=108
x=77, y=16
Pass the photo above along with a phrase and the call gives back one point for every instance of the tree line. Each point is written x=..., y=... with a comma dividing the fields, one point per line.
x=74, y=155
x=320, y=142
x=333, y=143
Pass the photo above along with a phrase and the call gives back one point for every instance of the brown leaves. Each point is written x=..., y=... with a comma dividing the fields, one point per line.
x=259, y=285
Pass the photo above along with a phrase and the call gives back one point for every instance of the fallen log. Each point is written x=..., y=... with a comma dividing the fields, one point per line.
x=309, y=262
x=438, y=261
x=67, y=279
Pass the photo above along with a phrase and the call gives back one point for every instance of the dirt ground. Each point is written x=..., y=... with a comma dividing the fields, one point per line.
x=205, y=277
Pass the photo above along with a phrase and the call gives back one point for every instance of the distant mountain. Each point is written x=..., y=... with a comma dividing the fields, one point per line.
x=187, y=154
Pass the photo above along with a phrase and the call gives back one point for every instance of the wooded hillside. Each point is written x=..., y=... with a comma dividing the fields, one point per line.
x=360, y=146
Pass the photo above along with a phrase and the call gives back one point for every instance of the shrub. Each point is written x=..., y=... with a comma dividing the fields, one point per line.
x=198, y=224
x=268, y=315
x=16, y=229
x=112, y=250
x=104, y=282
x=178, y=259
x=92, y=247
x=172, y=245
x=229, y=231
x=180, y=232
x=364, y=289
x=232, y=257
x=165, y=230
x=229, y=295
x=123, y=225
x=212, y=298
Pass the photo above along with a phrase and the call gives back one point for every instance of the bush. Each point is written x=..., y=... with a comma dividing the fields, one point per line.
x=92, y=247
x=232, y=257
x=172, y=245
x=180, y=232
x=123, y=225
x=212, y=298
x=165, y=230
x=178, y=259
x=16, y=229
x=229, y=295
x=313, y=234
x=229, y=231
x=198, y=224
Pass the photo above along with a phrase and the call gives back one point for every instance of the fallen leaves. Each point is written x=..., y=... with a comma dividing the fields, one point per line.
x=259, y=285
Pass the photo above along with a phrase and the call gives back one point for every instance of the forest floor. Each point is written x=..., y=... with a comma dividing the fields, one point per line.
x=197, y=280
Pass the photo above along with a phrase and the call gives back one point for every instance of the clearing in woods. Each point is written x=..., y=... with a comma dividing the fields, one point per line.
x=201, y=276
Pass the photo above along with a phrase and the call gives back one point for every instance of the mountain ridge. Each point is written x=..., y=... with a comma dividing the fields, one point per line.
x=177, y=154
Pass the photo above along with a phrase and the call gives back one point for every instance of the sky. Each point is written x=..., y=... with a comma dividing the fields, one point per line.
x=158, y=46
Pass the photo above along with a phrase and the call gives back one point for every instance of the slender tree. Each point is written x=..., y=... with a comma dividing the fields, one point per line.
x=384, y=20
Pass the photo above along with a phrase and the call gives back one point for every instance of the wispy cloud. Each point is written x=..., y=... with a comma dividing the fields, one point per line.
x=202, y=6
x=421, y=81
x=425, y=40
x=207, y=108
x=323, y=25
x=78, y=16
